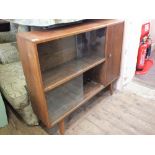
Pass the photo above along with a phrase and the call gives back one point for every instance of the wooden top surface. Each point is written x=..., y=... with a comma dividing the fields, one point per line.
x=57, y=33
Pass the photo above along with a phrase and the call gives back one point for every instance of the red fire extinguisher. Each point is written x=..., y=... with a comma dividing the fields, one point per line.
x=141, y=56
x=144, y=50
x=144, y=63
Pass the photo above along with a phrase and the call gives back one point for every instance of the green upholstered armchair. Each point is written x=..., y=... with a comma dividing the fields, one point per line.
x=12, y=83
x=3, y=116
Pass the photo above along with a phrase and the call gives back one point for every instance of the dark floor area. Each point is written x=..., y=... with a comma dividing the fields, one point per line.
x=17, y=127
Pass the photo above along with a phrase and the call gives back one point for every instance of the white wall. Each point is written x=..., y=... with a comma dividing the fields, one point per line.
x=152, y=32
x=132, y=33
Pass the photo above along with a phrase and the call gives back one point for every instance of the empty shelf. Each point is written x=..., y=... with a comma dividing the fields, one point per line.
x=65, y=72
x=65, y=104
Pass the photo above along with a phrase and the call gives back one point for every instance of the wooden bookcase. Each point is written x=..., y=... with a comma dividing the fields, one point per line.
x=65, y=67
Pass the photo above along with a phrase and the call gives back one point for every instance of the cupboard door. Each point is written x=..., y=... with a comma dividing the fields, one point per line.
x=113, y=50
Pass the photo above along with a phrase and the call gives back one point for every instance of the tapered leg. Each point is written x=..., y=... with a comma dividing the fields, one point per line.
x=111, y=88
x=61, y=125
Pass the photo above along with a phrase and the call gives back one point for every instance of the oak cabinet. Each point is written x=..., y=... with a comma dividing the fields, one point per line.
x=65, y=67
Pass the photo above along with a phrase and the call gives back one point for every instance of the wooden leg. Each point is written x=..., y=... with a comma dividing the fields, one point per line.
x=111, y=88
x=61, y=125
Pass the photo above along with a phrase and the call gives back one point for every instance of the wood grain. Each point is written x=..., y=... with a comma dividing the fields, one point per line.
x=113, y=50
x=61, y=125
x=65, y=72
x=44, y=36
x=29, y=58
x=119, y=114
x=56, y=52
x=58, y=110
x=45, y=69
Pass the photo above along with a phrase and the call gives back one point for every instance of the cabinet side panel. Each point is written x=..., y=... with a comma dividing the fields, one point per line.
x=31, y=67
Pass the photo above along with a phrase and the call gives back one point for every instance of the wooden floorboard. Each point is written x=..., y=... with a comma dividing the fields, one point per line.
x=16, y=126
x=122, y=113
x=133, y=121
x=106, y=125
x=140, y=111
x=115, y=122
x=85, y=128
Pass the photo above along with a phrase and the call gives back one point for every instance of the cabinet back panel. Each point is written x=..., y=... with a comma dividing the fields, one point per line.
x=57, y=52
x=91, y=43
x=65, y=97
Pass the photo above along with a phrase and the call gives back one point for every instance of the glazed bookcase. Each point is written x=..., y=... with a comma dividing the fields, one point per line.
x=65, y=67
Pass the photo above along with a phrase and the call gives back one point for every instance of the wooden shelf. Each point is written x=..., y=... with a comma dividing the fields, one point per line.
x=44, y=36
x=57, y=88
x=61, y=110
x=63, y=73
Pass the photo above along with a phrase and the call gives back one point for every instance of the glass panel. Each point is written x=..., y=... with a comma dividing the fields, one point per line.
x=91, y=43
x=70, y=95
x=62, y=99
x=65, y=64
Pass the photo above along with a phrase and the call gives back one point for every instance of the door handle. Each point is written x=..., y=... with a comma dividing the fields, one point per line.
x=110, y=55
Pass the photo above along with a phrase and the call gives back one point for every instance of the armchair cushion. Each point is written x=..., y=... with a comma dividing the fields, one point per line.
x=12, y=85
x=8, y=53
